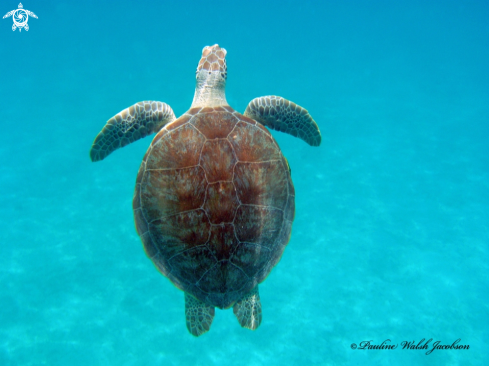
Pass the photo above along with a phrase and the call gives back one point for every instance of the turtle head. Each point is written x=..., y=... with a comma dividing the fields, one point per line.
x=211, y=77
x=213, y=61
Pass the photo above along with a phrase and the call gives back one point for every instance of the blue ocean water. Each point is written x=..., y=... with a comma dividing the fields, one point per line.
x=390, y=240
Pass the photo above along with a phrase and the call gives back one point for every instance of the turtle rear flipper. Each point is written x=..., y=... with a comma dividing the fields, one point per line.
x=199, y=316
x=248, y=310
x=283, y=115
x=131, y=124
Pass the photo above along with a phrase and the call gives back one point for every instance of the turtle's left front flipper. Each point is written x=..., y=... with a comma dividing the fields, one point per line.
x=131, y=124
x=283, y=115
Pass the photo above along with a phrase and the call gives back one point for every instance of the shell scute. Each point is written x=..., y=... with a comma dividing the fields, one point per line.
x=175, y=234
x=194, y=111
x=221, y=202
x=222, y=242
x=224, y=277
x=191, y=264
x=252, y=144
x=217, y=159
x=250, y=258
x=178, y=122
x=263, y=184
x=258, y=225
x=178, y=148
x=217, y=124
x=168, y=192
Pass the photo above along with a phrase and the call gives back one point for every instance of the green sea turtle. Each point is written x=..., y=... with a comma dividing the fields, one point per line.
x=214, y=200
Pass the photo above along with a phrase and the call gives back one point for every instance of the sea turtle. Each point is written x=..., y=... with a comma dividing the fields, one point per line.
x=20, y=17
x=214, y=200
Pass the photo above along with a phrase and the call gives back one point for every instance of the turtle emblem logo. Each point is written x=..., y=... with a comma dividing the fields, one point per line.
x=20, y=17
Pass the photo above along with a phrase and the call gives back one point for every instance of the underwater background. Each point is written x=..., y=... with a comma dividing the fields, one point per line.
x=390, y=239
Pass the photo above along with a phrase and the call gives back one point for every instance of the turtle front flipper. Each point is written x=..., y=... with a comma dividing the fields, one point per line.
x=283, y=115
x=199, y=315
x=248, y=310
x=131, y=124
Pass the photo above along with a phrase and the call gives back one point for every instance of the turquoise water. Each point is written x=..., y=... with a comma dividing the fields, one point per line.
x=391, y=234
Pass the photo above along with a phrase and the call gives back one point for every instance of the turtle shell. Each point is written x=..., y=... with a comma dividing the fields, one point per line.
x=214, y=204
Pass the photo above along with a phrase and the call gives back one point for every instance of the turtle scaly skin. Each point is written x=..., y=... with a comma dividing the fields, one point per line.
x=214, y=199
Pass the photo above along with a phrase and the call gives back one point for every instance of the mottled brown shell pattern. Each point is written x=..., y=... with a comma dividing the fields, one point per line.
x=214, y=204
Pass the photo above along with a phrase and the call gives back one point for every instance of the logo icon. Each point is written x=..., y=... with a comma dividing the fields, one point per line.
x=20, y=17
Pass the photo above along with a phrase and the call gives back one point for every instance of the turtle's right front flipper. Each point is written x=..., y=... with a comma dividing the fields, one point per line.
x=131, y=124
